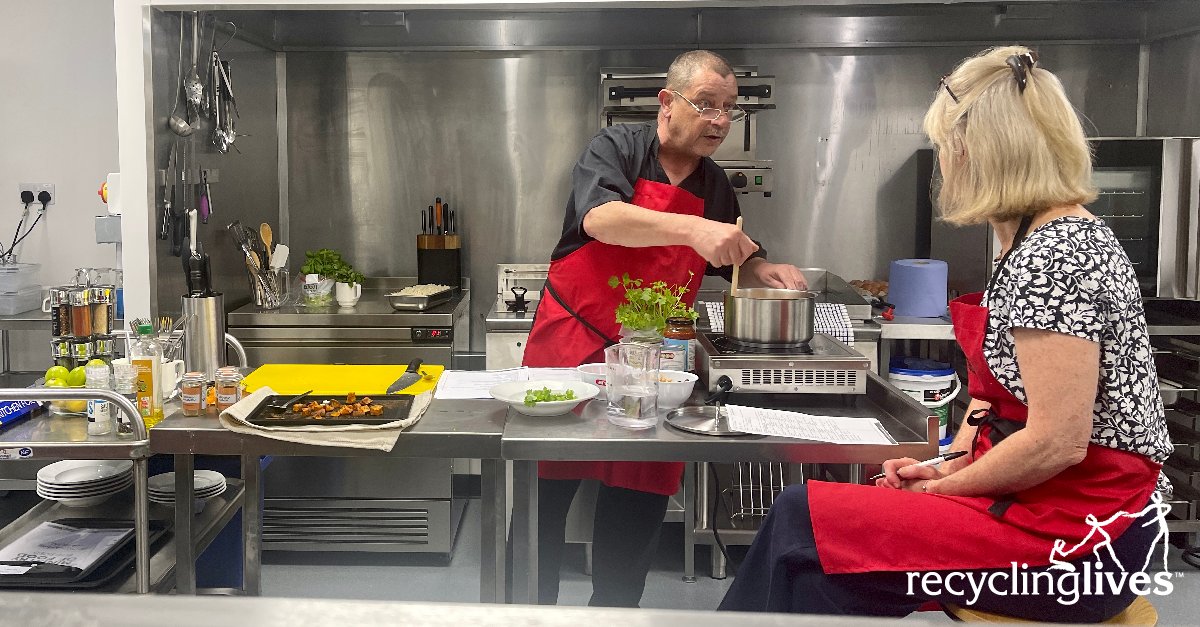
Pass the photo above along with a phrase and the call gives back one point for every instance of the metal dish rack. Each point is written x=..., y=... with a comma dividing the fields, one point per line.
x=750, y=497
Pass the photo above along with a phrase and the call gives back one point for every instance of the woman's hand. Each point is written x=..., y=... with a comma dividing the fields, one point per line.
x=904, y=474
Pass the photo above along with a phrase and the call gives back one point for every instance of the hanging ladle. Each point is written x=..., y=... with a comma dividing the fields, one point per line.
x=177, y=124
x=193, y=88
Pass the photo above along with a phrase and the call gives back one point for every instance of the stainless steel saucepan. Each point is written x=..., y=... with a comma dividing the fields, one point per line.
x=769, y=317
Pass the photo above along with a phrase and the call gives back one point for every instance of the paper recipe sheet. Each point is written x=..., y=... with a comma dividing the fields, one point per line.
x=792, y=424
x=55, y=543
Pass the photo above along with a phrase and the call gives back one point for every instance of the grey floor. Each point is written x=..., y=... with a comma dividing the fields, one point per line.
x=412, y=578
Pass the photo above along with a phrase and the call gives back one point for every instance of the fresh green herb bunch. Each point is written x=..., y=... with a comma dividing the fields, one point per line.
x=649, y=307
x=330, y=264
x=544, y=395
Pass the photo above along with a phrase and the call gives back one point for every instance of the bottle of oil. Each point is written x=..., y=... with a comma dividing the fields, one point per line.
x=146, y=356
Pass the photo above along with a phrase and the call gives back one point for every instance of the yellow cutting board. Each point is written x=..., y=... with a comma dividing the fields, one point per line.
x=338, y=379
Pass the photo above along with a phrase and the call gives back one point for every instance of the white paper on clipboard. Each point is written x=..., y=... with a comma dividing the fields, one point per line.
x=794, y=424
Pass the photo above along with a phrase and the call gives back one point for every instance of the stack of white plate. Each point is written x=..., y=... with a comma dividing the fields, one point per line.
x=84, y=482
x=205, y=483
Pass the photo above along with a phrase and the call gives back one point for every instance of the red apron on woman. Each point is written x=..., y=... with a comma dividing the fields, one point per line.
x=862, y=528
x=576, y=320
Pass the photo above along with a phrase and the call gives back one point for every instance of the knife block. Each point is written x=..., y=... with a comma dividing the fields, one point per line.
x=439, y=260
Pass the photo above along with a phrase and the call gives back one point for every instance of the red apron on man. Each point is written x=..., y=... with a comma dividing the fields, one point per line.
x=923, y=532
x=576, y=321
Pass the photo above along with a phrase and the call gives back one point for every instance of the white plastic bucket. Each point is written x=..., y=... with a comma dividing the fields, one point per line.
x=934, y=384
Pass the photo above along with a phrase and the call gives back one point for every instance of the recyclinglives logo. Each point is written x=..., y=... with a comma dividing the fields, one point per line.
x=1068, y=581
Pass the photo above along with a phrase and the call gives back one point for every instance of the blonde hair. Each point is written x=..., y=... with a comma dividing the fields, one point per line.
x=1006, y=153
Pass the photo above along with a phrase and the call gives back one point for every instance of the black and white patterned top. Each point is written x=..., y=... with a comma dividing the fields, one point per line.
x=1071, y=276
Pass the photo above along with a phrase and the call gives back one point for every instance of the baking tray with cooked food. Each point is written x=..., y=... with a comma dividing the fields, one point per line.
x=340, y=409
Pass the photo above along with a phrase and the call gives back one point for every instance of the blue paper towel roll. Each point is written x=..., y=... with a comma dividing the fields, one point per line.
x=917, y=287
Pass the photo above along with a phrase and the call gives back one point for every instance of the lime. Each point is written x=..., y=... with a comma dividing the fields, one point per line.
x=77, y=377
x=56, y=383
x=57, y=372
x=96, y=362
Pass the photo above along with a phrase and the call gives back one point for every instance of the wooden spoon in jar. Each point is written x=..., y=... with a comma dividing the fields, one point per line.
x=733, y=287
x=264, y=231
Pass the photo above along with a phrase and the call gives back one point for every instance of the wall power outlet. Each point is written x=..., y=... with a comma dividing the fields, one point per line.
x=36, y=188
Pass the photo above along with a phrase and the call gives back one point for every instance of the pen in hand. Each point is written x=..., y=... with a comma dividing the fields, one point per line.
x=929, y=462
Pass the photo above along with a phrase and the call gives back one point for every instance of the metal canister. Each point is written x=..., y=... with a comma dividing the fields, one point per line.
x=60, y=352
x=102, y=305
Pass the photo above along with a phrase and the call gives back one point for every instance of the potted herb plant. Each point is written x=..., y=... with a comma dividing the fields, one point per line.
x=643, y=315
x=348, y=288
x=320, y=270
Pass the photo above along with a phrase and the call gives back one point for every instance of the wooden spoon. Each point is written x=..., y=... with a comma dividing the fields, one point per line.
x=733, y=287
x=264, y=231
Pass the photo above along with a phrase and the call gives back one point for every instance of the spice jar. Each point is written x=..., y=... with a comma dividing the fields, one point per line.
x=81, y=349
x=60, y=351
x=229, y=389
x=101, y=302
x=193, y=390
x=679, y=345
x=81, y=313
x=102, y=348
x=60, y=312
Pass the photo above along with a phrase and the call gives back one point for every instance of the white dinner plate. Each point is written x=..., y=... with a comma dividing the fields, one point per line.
x=202, y=480
x=82, y=471
x=170, y=499
x=217, y=489
x=49, y=493
x=513, y=393
x=86, y=486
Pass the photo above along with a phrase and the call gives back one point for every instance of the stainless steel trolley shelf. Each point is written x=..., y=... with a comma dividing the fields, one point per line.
x=217, y=512
x=53, y=439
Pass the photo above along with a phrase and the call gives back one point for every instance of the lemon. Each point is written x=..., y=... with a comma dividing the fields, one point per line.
x=57, y=372
x=77, y=377
x=96, y=362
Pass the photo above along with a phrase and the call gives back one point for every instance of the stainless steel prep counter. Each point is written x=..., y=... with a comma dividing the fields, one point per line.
x=588, y=435
x=449, y=429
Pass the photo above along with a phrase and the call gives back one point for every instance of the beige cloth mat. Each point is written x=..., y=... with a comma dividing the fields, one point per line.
x=379, y=437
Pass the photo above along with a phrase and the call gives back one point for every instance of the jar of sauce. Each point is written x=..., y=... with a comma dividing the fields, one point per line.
x=679, y=345
x=81, y=312
x=193, y=388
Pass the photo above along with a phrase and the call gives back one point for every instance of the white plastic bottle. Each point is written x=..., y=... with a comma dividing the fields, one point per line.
x=146, y=356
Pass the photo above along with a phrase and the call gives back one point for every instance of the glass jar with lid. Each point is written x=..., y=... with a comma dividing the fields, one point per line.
x=229, y=388
x=81, y=349
x=60, y=311
x=193, y=388
x=679, y=343
x=103, y=349
x=81, y=312
x=102, y=305
x=60, y=351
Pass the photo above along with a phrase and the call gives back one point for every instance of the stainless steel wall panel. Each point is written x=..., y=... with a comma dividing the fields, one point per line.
x=1173, y=104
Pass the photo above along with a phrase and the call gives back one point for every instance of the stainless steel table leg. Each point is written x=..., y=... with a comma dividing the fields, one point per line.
x=252, y=526
x=689, y=522
x=185, y=548
x=141, y=523
x=856, y=474
x=525, y=532
x=492, y=529
x=718, y=563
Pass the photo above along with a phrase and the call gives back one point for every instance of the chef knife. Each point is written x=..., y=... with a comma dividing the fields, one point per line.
x=410, y=376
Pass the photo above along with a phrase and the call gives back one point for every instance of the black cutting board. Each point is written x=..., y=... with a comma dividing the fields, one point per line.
x=395, y=407
x=119, y=560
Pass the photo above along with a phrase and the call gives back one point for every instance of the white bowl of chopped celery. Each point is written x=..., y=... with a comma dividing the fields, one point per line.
x=544, y=398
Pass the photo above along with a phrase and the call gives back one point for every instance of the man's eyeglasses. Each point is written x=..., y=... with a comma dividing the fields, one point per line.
x=735, y=112
x=1020, y=64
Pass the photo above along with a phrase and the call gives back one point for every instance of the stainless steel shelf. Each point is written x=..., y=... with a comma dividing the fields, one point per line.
x=218, y=511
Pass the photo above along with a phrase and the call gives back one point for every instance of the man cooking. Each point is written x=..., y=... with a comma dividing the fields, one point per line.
x=647, y=200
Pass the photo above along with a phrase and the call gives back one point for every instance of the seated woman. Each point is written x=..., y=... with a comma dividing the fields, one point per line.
x=1065, y=427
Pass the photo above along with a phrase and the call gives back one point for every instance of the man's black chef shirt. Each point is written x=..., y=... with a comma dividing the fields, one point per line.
x=613, y=162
